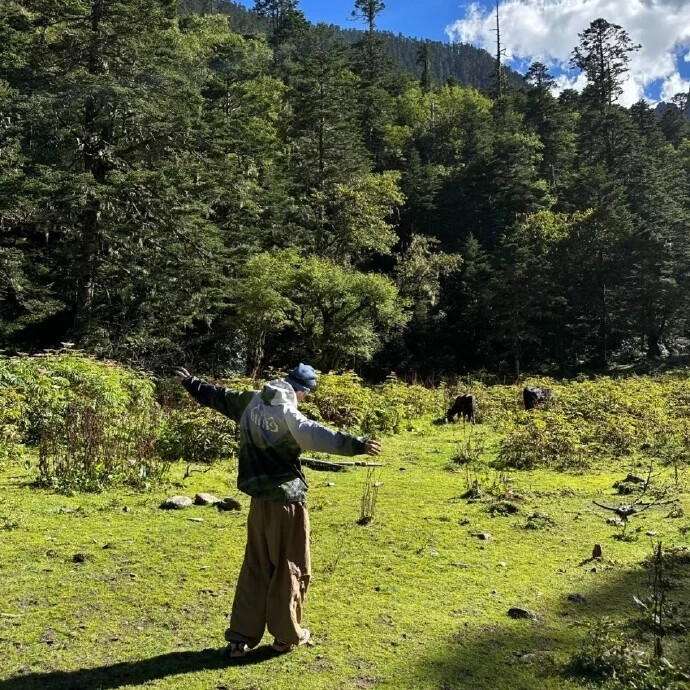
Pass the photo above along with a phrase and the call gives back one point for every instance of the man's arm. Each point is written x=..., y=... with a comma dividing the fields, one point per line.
x=311, y=435
x=228, y=402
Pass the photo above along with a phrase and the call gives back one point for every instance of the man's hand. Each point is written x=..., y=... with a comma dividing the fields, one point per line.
x=181, y=374
x=372, y=448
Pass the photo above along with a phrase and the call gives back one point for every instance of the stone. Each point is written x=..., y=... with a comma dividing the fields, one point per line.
x=433, y=553
x=615, y=522
x=635, y=479
x=576, y=598
x=229, y=504
x=651, y=533
x=176, y=503
x=503, y=508
x=518, y=613
x=463, y=522
x=502, y=564
x=677, y=512
x=195, y=519
x=330, y=484
x=483, y=536
x=206, y=500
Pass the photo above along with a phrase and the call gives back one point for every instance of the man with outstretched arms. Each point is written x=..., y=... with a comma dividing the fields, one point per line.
x=275, y=574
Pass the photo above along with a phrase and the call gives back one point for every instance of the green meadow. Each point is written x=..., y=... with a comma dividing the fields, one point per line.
x=106, y=590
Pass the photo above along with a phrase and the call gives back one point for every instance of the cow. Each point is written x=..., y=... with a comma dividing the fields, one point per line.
x=532, y=397
x=465, y=406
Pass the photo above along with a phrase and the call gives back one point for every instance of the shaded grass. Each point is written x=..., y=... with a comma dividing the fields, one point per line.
x=413, y=600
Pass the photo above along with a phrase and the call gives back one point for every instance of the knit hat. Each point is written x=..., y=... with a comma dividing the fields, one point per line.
x=303, y=378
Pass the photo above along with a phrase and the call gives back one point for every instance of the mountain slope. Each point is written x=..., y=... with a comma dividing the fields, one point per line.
x=468, y=65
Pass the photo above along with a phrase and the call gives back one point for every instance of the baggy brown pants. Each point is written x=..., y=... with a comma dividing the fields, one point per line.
x=275, y=574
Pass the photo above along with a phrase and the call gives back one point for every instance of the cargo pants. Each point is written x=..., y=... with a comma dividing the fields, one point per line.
x=275, y=574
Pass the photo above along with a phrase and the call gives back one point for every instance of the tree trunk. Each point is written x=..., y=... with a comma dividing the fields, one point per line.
x=653, y=344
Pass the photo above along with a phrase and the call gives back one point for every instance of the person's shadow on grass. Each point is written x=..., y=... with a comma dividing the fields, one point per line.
x=136, y=672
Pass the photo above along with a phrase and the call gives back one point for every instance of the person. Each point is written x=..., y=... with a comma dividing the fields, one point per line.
x=276, y=570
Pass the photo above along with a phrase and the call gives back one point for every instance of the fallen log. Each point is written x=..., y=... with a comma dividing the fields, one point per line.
x=324, y=466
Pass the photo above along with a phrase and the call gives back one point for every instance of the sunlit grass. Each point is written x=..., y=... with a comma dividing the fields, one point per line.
x=413, y=600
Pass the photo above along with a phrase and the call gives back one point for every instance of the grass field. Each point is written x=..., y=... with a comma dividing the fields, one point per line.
x=413, y=600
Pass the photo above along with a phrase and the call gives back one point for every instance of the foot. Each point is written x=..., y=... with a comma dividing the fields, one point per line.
x=282, y=647
x=237, y=650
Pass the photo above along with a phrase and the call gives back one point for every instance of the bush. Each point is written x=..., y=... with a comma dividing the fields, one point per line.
x=12, y=410
x=609, y=658
x=541, y=440
x=345, y=402
x=95, y=421
x=196, y=435
x=87, y=450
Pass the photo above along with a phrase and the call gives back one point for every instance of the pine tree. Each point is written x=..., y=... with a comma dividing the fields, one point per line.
x=604, y=56
x=109, y=179
x=552, y=123
x=424, y=61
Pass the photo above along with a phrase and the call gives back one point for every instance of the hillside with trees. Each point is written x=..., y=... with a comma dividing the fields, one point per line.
x=178, y=187
x=460, y=63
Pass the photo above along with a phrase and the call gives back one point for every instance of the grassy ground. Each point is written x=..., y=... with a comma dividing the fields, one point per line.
x=413, y=600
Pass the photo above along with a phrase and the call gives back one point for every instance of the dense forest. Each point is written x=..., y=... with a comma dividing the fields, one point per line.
x=179, y=187
x=459, y=63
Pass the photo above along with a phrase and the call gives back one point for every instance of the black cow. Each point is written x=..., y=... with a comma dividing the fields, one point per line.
x=465, y=406
x=536, y=396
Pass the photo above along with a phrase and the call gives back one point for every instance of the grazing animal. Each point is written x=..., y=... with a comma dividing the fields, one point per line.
x=465, y=406
x=533, y=397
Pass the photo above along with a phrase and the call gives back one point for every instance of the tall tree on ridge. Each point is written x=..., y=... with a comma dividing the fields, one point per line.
x=371, y=64
x=424, y=61
x=603, y=55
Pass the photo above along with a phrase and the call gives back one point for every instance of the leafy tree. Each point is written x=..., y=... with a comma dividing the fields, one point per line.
x=525, y=302
x=335, y=314
x=659, y=248
x=105, y=201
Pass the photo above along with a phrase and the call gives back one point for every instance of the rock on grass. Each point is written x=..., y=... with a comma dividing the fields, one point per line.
x=206, y=500
x=176, y=503
x=524, y=614
x=229, y=504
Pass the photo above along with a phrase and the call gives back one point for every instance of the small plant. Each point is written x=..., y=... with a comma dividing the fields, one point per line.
x=10, y=522
x=609, y=657
x=471, y=448
x=370, y=497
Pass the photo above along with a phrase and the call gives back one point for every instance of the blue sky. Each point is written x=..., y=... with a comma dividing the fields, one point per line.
x=418, y=18
x=545, y=30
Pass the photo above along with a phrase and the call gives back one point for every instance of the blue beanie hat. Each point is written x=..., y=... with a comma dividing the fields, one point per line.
x=303, y=378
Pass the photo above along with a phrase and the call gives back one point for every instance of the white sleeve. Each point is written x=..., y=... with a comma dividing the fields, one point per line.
x=311, y=435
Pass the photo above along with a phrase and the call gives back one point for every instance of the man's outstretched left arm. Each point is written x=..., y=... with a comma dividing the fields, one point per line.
x=226, y=401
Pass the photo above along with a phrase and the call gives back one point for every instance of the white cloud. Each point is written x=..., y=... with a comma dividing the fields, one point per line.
x=673, y=85
x=547, y=30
